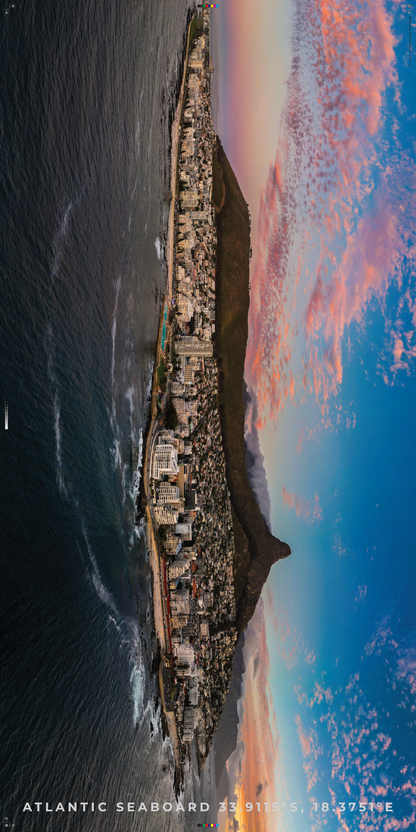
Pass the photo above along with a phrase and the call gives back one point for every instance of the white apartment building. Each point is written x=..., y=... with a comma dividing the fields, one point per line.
x=166, y=515
x=192, y=346
x=183, y=528
x=178, y=568
x=185, y=654
x=179, y=602
x=167, y=493
x=165, y=461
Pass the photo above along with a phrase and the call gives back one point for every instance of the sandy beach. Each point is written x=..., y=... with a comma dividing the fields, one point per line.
x=157, y=593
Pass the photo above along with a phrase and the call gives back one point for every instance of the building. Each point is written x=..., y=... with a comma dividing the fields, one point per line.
x=178, y=568
x=185, y=654
x=177, y=388
x=179, y=621
x=165, y=461
x=183, y=528
x=189, y=198
x=166, y=514
x=192, y=346
x=165, y=437
x=168, y=493
x=189, y=374
x=173, y=544
x=191, y=499
x=194, y=692
x=179, y=602
x=204, y=629
x=190, y=718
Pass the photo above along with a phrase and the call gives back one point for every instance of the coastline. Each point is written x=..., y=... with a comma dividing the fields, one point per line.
x=153, y=545
x=173, y=169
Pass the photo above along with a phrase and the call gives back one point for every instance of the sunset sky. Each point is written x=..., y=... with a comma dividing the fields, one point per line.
x=314, y=104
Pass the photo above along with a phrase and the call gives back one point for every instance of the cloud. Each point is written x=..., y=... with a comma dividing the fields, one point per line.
x=406, y=665
x=381, y=637
x=335, y=230
x=305, y=742
x=357, y=745
x=254, y=458
x=355, y=734
x=310, y=752
x=257, y=753
x=338, y=547
x=361, y=593
x=310, y=512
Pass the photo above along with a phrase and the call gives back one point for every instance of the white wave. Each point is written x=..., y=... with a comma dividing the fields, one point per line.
x=149, y=379
x=137, y=475
x=114, y=331
x=102, y=592
x=56, y=405
x=115, y=452
x=136, y=482
x=134, y=188
x=159, y=248
x=129, y=394
x=113, y=621
x=137, y=680
x=59, y=239
x=128, y=490
x=167, y=746
x=137, y=135
x=57, y=417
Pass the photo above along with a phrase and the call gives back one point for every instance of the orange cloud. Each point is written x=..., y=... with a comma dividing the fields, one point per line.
x=336, y=211
x=258, y=742
x=311, y=513
x=305, y=742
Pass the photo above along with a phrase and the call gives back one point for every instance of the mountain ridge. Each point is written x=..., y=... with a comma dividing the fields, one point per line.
x=256, y=548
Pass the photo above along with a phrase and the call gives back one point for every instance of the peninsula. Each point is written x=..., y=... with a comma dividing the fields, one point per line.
x=210, y=548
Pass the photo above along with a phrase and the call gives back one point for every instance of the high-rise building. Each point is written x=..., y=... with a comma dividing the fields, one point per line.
x=165, y=461
x=192, y=346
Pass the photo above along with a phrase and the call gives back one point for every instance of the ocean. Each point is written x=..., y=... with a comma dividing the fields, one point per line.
x=88, y=92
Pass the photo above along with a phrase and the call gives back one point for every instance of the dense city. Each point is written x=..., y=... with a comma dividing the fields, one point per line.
x=189, y=499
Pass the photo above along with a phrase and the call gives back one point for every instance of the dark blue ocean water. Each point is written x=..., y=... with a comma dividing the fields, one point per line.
x=87, y=91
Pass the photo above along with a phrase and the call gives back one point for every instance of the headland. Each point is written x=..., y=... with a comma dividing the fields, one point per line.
x=210, y=548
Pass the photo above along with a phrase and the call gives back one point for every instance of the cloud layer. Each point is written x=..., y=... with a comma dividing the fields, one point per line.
x=355, y=734
x=255, y=459
x=310, y=512
x=252, y=767
x=336, y=235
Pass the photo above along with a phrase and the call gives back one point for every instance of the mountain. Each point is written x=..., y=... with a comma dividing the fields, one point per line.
x=256, y=548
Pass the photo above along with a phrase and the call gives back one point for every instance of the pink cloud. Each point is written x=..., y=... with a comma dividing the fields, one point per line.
x=305, y=742
x=336, y=214
x=310, y=512
x=361, y=593
x=338, y=547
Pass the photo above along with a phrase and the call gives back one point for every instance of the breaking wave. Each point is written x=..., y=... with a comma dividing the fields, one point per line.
x=159, y=249
x=58, y=243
